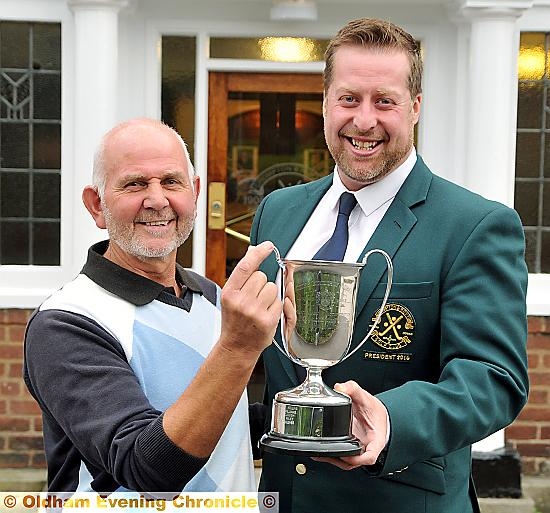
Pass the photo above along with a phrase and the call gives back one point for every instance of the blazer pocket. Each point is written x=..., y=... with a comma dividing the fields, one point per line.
x=420, y=290
x=428, y=475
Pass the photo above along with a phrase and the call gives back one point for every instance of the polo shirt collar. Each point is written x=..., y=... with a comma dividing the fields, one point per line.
x=127, y=285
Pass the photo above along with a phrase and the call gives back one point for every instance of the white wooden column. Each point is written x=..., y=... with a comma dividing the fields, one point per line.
x=491, y=101
x=490, y=104
x=95, y=96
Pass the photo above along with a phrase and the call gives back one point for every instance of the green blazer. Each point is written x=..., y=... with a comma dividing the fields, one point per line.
x=453, y=371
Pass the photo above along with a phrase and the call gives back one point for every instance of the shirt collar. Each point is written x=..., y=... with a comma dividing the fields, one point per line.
x=130, y=286
x=373, y=196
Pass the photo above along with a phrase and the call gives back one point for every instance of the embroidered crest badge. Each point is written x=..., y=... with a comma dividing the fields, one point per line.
x=395, y=329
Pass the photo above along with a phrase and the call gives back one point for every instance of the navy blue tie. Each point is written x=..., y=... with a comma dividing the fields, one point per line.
x=335, y=247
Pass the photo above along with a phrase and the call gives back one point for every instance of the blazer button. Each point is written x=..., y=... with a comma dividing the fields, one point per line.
x=301, y=469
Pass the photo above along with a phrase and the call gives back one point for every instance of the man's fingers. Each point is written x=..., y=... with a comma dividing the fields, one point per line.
x=249, y=264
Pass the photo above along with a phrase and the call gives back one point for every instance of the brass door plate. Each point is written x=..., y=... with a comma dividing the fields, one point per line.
x=216, y=205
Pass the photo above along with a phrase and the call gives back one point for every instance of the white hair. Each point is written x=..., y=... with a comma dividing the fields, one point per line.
x=99, y=176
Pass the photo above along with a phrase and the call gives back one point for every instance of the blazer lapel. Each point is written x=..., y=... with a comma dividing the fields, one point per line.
x=392, y=230
x=290, y=220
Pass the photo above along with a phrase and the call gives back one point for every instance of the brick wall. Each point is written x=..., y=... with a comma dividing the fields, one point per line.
x=530, y=433
x=20, y=422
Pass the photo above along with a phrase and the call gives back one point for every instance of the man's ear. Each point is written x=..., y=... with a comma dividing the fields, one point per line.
x=92, y=202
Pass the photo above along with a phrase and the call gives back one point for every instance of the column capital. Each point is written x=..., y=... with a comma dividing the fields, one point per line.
x=489, y=9
x=98, y=4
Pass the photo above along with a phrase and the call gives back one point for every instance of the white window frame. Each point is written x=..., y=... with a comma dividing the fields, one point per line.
x=537, y=19
x=25, y=286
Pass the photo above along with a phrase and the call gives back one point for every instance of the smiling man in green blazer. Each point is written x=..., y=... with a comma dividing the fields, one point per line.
x=447, y=366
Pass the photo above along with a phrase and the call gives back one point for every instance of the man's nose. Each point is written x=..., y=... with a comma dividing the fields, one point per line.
x=155, y=197
x=365, y=118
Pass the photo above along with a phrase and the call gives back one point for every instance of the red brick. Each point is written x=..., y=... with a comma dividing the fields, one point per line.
x=38, y=460
x=533, y=360
x=29, y=407
x=536, y=324
x=534, y=449
x=16, y=370
x=536, y=414
x=38, y=424
x=538, y=396
x=14, y=424
x=545, y=433
x=3, y=407
x=26, y=443
x=16, y=316
x=13, y=460
x=3, y=334
x=538, y=341
x=16, y=334
x=9, y=388
x=546, y=360
x=521, y=432
x=11, y=351
x=539, y=378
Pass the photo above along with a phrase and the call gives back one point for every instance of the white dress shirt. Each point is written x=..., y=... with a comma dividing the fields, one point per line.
x=372, y=203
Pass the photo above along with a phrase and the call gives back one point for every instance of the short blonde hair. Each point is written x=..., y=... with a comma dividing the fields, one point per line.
x=380, y=35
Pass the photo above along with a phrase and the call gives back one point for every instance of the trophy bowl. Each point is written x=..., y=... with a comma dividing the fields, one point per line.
x=313, y=419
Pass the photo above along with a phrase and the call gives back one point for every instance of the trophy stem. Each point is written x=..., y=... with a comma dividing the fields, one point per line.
x=313, y=384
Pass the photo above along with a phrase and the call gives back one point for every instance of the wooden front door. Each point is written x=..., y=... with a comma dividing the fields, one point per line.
x=265, y=132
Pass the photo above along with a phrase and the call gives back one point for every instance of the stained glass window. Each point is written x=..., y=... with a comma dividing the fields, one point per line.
x=30, y=143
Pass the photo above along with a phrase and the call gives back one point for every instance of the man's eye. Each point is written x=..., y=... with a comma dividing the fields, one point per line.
x=348, y=99
x=384, y=101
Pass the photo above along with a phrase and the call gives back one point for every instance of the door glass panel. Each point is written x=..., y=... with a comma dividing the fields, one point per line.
x=274, y=140
x=279, y=49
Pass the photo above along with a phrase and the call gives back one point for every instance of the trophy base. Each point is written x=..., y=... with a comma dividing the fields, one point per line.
x=276, y=444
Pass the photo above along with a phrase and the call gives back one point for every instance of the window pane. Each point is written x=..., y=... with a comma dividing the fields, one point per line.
x=282, y=49
x=528, y=155
x=526, y=201
x=47, y=46
x=47, y=96
x=14, y=198
x=30, y=141
x=530, y=105
x=47, y=146
x=46, y=243
x=531, y=250
x=14, y=145
x=546, y=205
x=15, y=92
x=14, y=45
x=532, y=56
x=46, y=195
x=14, y=242
x=545, y=253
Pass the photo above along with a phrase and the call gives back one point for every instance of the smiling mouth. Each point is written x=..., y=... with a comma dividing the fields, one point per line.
x=155, y=223
x=363, y=145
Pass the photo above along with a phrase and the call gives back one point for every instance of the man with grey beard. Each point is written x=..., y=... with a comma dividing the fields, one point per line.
x=447, y=365
x=140, y=366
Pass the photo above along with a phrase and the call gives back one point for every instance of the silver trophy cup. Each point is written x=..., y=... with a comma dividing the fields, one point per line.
x=313, y=419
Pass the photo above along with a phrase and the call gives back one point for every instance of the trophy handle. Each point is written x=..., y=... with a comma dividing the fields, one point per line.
x=282, y=265
x=386, y=295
